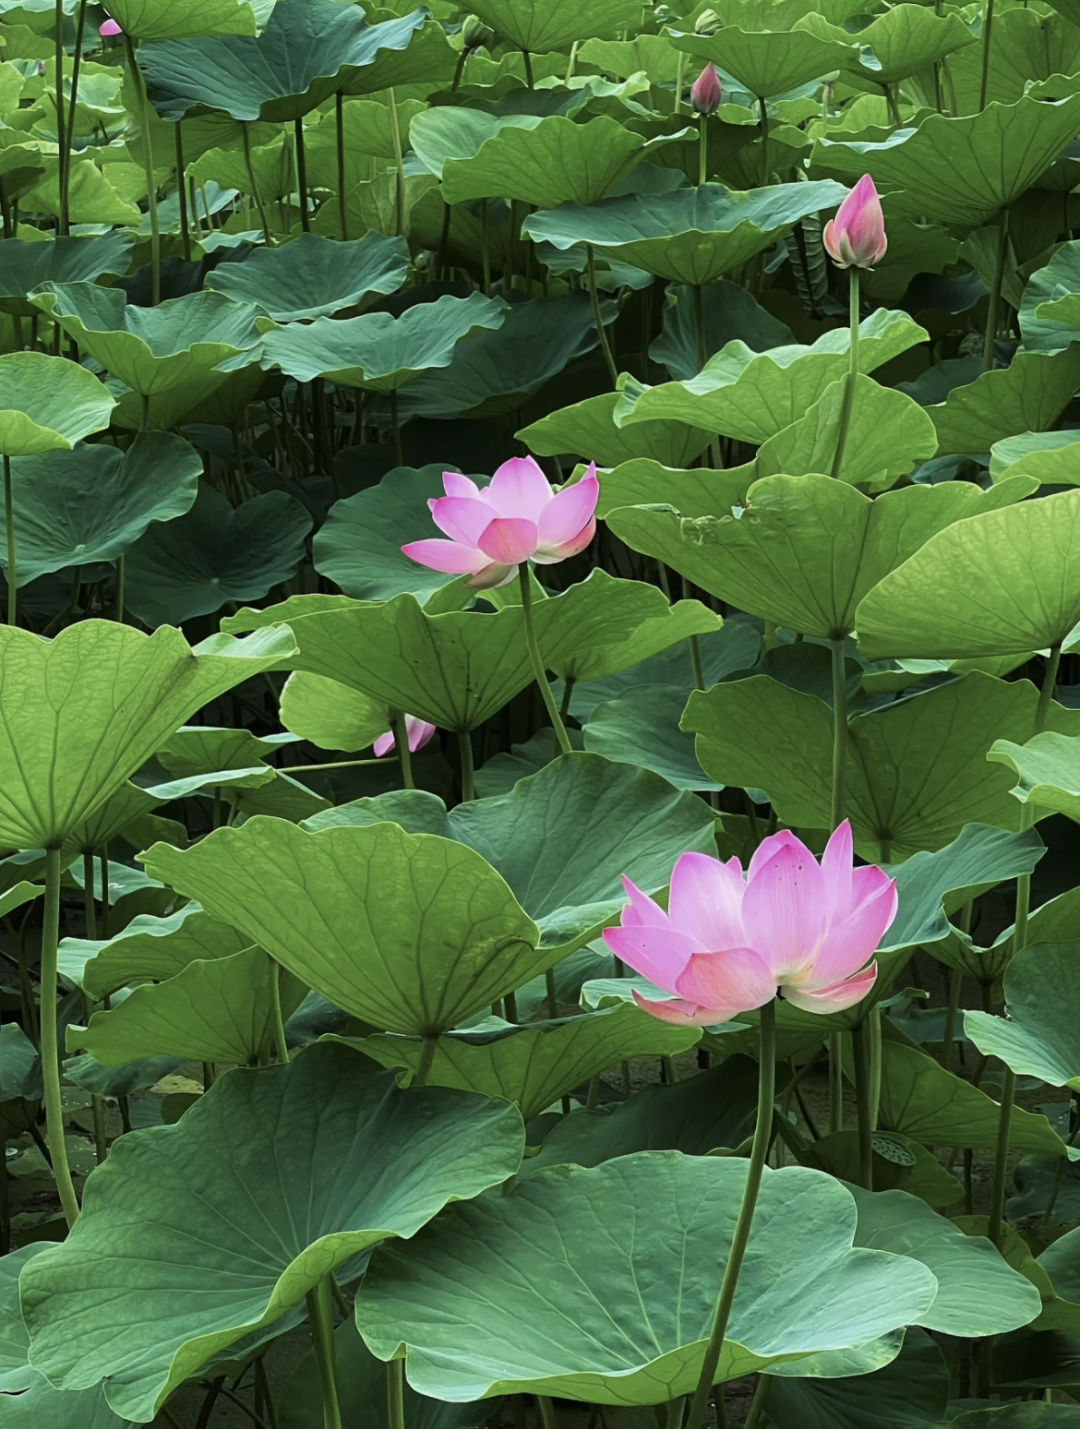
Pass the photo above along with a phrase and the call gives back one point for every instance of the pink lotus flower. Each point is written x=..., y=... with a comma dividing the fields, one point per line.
x=516, y=518
x=728, y=943
x=110, y=27
x=418, y=730
x=706, y=92
x=856, y=236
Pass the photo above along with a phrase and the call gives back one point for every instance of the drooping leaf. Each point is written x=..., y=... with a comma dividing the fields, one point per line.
x=313, y=277
x=589, y=429
x=149, y=947
x=1038, y=1037
x=25, y=265
x=641, y=727
x=1028, y=395
x=49, y=403
x=912, y=1391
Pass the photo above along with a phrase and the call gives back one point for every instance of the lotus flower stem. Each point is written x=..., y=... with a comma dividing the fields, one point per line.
x=528, y=68
x=549, y=1415
x=485, y=248
x=601, y=332
x=754, y=1172
x=680, y=74
x=181, y=189
x=66, y=149
x=339, y=111
x=853, y=372
x=836, y=1082
x=839, y=750
x=50, y=1051
x=862, y=1040
x=561, y=737
x=320, y=1304
x=399, y=164
x=401, y=744
x=278, y=1024
x=952, y=1013
x=995, y=291
x=301, y=175
x=148, y=165
x=61, y=127
x=894, y=108
x=988, y=25
x=12, y=563
x=246, y=137
x=764, y=112
x=699, y=325
x=395, y=1394
x=468, y=775
x=703, y=148
x=427, y=1056
x=757, y=1404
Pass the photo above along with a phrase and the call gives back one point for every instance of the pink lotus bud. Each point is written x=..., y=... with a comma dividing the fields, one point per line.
x=418, y=730
x=855, y=238
x=706, y=92
x=110, y=27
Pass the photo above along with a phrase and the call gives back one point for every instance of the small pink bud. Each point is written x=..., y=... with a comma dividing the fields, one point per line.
x=855, y=238
x=110, y=27
x=706, y=92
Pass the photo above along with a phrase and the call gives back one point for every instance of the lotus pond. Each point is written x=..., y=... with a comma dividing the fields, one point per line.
x=540, y=714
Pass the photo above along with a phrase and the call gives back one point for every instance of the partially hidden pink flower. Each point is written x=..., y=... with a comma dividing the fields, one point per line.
x=706, y=92
x=418, y=730
x=110, y=27
x=855, y=238
x=517, y=517
x=729, y=942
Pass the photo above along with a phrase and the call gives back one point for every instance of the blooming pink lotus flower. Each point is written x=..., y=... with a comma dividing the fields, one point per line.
x=728, y=943
x=706, y=92
x=856, y=236
x=418, y=730
x=516, y=518
x=110, y=27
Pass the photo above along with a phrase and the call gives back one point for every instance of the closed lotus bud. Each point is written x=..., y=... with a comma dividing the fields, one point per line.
x=708, y=22
x=110, y=27
x=855, y=238
x=475, y=33
x=706, y=92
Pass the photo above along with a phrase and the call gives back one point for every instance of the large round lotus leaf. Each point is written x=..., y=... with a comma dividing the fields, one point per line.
x=313, y=277
x=163, y=1271
x=114, y=696
x=1003, y=583
x=149, y=947
x=304, y=55
x=378, y=350
x=180, y=19
x=532, y=1292
x=534, y=1066
x=641, y=727
x=47, y=404
x=962, y=170
x=215, y=553
x=768, y=63
x=903, y=42
x=1040, y=1036
x=689, y=235
x=91, y=504
x=1027, y=396
x=543, y=25
x=25, y=265
x=804, y=550
x=151, y=349
x=410, y=932
x=589, y=427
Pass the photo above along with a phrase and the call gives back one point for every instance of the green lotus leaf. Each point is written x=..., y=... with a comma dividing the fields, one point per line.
x=1039, y=1035
x=305, y=54
x=916, y=770
x=1001, y=583
x=1044, y=325
x=691, y=235
x=700, y=492
x=589, y=428
x=752, y=395
x=960, y=171
x=15, y=1371
x=641, y=727
x=205, y=749
x=772, y=62
x=1045, y=456
x=728, y=314
x=151, y=350
x=1024, y=50
x=424, y=57
x=158, y=20
x=805, y=550
x=115, y=695
x=914, y=1386
x=313, y=277
x=449, y=941
x=24, y=265
x=542, y=25
x=1027, y=396
x=1020, y=1416
x=665, y=626
x=920, y=1099
x=534, y=1066
x=49, y=403
x=330, y=714
x=596, y=1333
x=72, y=508
x=904, y=41
x=379, y=351
x=1049, y=771
x=215, y=553
x=330, y=1158
x=149, y=947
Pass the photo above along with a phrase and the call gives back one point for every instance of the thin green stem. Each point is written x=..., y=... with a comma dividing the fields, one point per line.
x=699, y=325
x=278, y=1023
x=67, y=149
x=301, y=175
x=703, y=149
x=740, y=1240
x=427, y=1057
x=839, y=749
x=339, y=107
x=395, y=1394
x=995, y=1225
x=994, y=303
x=148, y=167
x=12, y=561
x=61, y=126
x=757, y=1404
x=561, y=737
x=468, y=775
x=320, y=1304
x=852, y=374
x=485, y=248
x=680, y=77
x=952, y=1014
x=401, y=745
x=601, y=331
x=552, y=994
x=836, y=1081
x=181, y=189
x=528, y=69
x=253, y=181
x=549, y=1416
x=988, y=26
x=334, y=764
x=121, y=570
x=764, y=112
x=50, y=1050
x=863, y=1105
x=399, y=164
x=395, y=429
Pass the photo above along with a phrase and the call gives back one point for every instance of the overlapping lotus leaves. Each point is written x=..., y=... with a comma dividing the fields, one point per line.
x=628, y=1345
x=330, y=1158
x=149, y=947
x=701, y=492
x=750, y=395
x=1027, y=396
x=151, y=350
x=641, y=727
x=960, y=171
x=590, y=426
x=410, y=932
x=1045, y=309
x=534, y=1066
x=305, y=54
x=1039, y=1036
x=313, y=277
x=380, y=351
x=25, y=265
x=330, y=714
x=48, y=404
x=769, y=62
x=916, y=770
x=1000, y=583
x=115, y=695
x=93, y=503
x=664, y=627
x=1048, y=457
x=1049, y=771
x=691, y=235
x=542, y=25
x=902, y=42
x=728, y=314
x=155, y=20
x=804, y=551
x=915, y=1375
